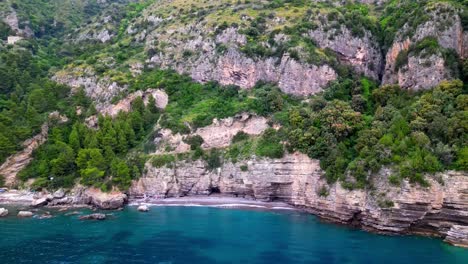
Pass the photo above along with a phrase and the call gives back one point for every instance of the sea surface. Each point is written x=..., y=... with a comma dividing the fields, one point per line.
x=181, y=234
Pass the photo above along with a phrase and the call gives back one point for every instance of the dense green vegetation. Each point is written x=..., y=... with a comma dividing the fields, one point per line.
x=99, y=156
x=354, y=127
x=26, y=96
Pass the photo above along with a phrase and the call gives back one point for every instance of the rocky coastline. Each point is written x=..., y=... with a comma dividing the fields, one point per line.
x=440, y=210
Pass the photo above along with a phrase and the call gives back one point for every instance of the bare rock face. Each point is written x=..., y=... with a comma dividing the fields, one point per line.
x=101, y=90
x=99, y=199
x=39, y=202
x=167, y=142
x=362, y=53
x=234, y=68
x=143, y=208
x=296, y=179
x=15, y=163
x=124, y=105
x=423, y=73
x=102, y=36
x=444, y=25
x=221, y=132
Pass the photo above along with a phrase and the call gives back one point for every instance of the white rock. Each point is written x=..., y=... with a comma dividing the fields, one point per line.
x=3, y=212
x=25, y=214
x=143, y=208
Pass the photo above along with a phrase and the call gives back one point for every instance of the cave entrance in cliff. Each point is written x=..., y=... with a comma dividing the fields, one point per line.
x=214, y=190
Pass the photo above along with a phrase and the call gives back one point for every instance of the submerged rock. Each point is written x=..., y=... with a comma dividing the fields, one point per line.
x=3, y=212
x=45, y=215
x=143, y=208
x=96, y=216
x=73, y=213
x=25, y=214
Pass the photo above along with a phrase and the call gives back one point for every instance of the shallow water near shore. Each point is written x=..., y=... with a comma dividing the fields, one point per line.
x=183, y=234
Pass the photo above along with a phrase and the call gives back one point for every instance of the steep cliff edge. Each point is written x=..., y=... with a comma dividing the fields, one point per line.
x=419, y=57
x=439, y=210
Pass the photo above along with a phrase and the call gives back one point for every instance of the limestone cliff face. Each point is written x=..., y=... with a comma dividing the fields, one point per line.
x=235, y=68
x=362, y=53
x=100, y=89
x=422, y=72
x=439, y=210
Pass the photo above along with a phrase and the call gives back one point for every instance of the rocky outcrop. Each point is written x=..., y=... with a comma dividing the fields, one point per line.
x=362, y=53
x=102, y=36
x=124, y=105
x=25, y=214
x=296, y=179
x=40, y=202
x=217, y=135
x=423, y=73
x=15, y=163
x=11, y=19
x=93, y=217
x=445, y=25
x=3, y=212
x=458, y=236
x=99, y=199
x=100, y=89
x=87, y=196
x=221, y=132
x=235, y=68
x=78, y=196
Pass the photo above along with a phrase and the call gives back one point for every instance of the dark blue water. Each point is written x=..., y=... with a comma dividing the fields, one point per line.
x=209, y=235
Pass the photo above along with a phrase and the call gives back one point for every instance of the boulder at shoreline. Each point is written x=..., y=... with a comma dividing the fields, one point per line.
x=143, y=208
x=3, y=212
x=25, y=214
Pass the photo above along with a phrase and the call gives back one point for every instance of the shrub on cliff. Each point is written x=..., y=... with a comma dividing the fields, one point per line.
x=194, y=141
x=269, y=145
x=162, y=160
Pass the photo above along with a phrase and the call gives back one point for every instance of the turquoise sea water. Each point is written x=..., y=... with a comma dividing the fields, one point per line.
x=209, y=235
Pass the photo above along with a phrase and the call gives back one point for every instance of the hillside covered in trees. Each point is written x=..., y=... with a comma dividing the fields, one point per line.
x=395, y=97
